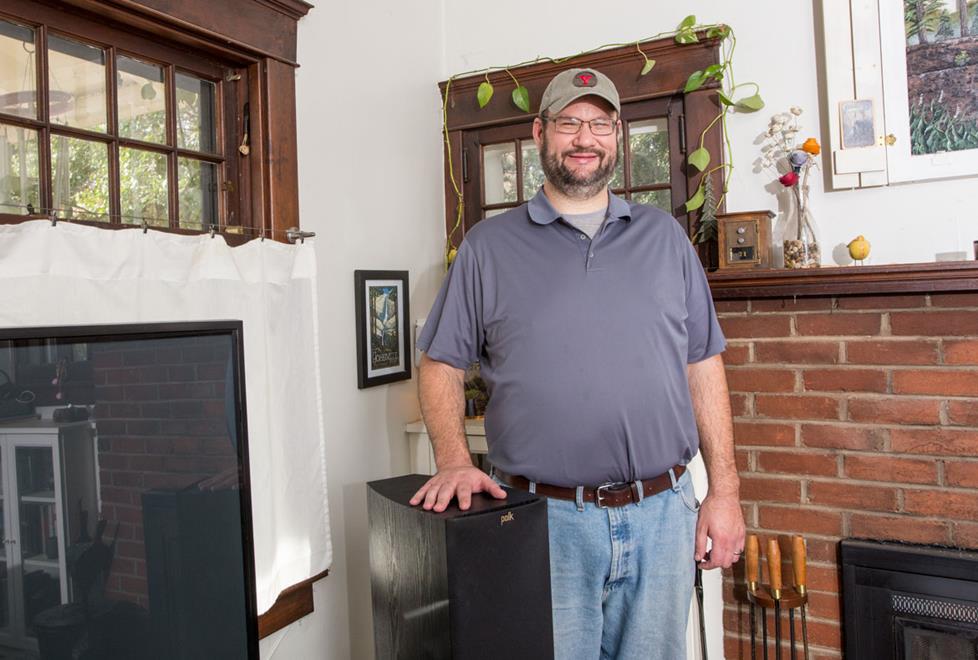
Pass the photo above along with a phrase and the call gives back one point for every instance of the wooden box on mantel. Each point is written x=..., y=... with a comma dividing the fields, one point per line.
x=744, y=239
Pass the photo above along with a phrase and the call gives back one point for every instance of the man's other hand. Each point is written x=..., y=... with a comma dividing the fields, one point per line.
x=722, y=521
x=458, y=482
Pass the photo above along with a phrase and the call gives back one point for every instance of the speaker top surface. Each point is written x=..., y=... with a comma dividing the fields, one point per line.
x=401, y=489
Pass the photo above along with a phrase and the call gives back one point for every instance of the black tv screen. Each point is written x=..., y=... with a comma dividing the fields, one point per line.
x=126, y=503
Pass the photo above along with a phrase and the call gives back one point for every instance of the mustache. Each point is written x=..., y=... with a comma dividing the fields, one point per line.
x=600, y=153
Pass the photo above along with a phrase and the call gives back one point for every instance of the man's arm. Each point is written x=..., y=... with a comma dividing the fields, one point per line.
x=441, y=391
x=721, y=518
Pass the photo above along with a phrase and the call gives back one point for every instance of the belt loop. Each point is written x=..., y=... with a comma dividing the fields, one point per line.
x=533, y=487
x=672, y=478
x=579, y=498
x=639, y=490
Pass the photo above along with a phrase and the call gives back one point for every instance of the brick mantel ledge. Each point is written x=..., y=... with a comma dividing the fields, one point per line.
x=842, y=280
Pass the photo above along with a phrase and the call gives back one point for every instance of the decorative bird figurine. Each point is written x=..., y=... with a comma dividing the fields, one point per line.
x=859, y=248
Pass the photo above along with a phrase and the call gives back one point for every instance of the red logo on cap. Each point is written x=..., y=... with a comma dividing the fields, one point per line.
x=585, y=80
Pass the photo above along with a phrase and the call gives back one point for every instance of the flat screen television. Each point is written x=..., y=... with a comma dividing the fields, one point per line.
x=126, y=518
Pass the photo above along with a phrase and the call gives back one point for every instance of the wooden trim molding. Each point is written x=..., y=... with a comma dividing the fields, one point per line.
x=846, y=280
x=290, y=606
x=266, y=28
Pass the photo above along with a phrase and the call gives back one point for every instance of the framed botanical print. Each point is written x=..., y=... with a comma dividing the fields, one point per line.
x=383, y=340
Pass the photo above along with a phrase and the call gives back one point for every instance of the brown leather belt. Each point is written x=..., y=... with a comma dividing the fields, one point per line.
x=603, y=496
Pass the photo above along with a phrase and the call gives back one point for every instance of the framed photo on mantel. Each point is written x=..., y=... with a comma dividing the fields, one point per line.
x=383, y=340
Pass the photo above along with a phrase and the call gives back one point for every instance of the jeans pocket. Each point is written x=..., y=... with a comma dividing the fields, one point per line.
x=685, y=488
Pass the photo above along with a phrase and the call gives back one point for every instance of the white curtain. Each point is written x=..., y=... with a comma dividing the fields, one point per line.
x=73, y=275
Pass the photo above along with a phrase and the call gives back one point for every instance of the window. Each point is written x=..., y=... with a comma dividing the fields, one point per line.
x=109, y=134
x=497, y=164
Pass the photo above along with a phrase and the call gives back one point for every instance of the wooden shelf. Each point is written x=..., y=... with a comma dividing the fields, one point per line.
x=846, y=280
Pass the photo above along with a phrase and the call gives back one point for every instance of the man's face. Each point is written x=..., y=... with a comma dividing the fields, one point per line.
x=578, y=165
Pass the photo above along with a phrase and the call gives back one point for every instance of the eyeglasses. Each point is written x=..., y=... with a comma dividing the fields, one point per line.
x=572, y=125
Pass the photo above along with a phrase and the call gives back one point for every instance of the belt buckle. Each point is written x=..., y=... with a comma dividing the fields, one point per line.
x=597, y=493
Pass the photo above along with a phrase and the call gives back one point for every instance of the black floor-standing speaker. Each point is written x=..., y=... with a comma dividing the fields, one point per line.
x=459, y=585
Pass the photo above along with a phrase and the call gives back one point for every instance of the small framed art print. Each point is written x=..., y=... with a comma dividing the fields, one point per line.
x=383, y=340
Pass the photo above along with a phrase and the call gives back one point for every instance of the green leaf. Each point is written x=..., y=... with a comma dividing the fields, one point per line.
x=484, y=94
x=720, y=31
x=687, y=23
x=695, y=81
x=695, y=201
x=713, y=70
x=521, y=97
x=700, y=158
x=686, y=37
x=750, y=104
x=724, y=99
x=648, y=66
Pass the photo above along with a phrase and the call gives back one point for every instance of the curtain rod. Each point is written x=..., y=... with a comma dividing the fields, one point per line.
x=292, y=234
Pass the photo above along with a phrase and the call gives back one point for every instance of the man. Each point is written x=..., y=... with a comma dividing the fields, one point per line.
x=596, y=333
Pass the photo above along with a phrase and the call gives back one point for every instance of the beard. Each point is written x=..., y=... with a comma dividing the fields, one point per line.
x=571, y=184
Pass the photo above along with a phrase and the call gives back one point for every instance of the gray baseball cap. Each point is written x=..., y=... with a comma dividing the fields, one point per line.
x=570, y=85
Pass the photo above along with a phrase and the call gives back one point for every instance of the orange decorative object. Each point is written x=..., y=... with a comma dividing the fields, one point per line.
x=811, y=146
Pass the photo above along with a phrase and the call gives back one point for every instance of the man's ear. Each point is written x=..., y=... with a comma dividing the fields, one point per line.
x=538, y=128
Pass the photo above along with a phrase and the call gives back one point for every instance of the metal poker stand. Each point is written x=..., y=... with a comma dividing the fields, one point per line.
x=774, y=595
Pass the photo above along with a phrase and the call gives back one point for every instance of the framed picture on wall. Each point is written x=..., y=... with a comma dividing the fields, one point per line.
x=383, y=340
x=857, y=123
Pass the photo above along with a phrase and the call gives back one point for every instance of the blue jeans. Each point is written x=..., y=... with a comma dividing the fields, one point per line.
x=622, y=578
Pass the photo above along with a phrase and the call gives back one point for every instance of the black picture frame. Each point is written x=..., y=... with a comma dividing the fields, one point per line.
x=383, y=337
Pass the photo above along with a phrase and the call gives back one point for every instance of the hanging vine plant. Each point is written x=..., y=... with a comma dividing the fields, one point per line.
x=729, y=94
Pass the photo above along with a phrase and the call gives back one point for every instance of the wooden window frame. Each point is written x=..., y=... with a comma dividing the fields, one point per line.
x=689, y=112
x=247, y=47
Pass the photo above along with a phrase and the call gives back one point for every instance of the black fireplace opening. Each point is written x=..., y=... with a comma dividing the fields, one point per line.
x=909, y=602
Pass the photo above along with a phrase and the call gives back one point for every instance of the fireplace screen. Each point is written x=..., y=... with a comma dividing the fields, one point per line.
x=126, y=517
x=907, y=602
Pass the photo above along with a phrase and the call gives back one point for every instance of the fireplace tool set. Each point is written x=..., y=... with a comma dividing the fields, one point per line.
x=775, y=595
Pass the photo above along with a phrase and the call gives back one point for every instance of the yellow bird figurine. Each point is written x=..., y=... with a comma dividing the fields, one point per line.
x=858, y=248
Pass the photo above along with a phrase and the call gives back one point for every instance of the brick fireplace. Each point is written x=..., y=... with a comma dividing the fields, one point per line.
x=855, y=416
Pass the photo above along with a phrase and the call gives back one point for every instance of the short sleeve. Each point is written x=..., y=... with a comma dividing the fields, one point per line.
x=705, y=338
x=453, y=332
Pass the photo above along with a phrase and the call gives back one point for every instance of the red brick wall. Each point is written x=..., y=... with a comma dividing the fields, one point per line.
x=161, y=425
x=855, y=416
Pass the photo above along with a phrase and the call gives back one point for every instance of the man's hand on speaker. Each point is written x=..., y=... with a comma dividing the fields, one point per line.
x=457, y=481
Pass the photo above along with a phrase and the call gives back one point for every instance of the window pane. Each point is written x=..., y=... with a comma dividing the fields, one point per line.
x=492, y=212
x=618, y=180
x=76, y=80
x=499, y=167
x=660, y=198
x=196, y=127
x=19, y=170
x=198, y=194
x=142, y=187
x=532, y=170
x=142, y=100
x=80, y=178
x=649, y=144
x=18, y=67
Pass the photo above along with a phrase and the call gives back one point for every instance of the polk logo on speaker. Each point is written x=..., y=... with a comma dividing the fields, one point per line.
x=505, y=518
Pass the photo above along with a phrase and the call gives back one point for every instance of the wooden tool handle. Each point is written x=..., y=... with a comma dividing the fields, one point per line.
x=753, y=551
x=774, y=567
x=799, y=562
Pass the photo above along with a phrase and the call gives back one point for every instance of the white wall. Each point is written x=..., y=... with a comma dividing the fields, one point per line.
x=776, y=48
x=370, y=174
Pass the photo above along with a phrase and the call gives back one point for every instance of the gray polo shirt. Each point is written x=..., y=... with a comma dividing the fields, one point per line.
x=583, y=343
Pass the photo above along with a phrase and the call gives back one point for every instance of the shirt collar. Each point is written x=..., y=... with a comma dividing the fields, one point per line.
x=542, y=211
